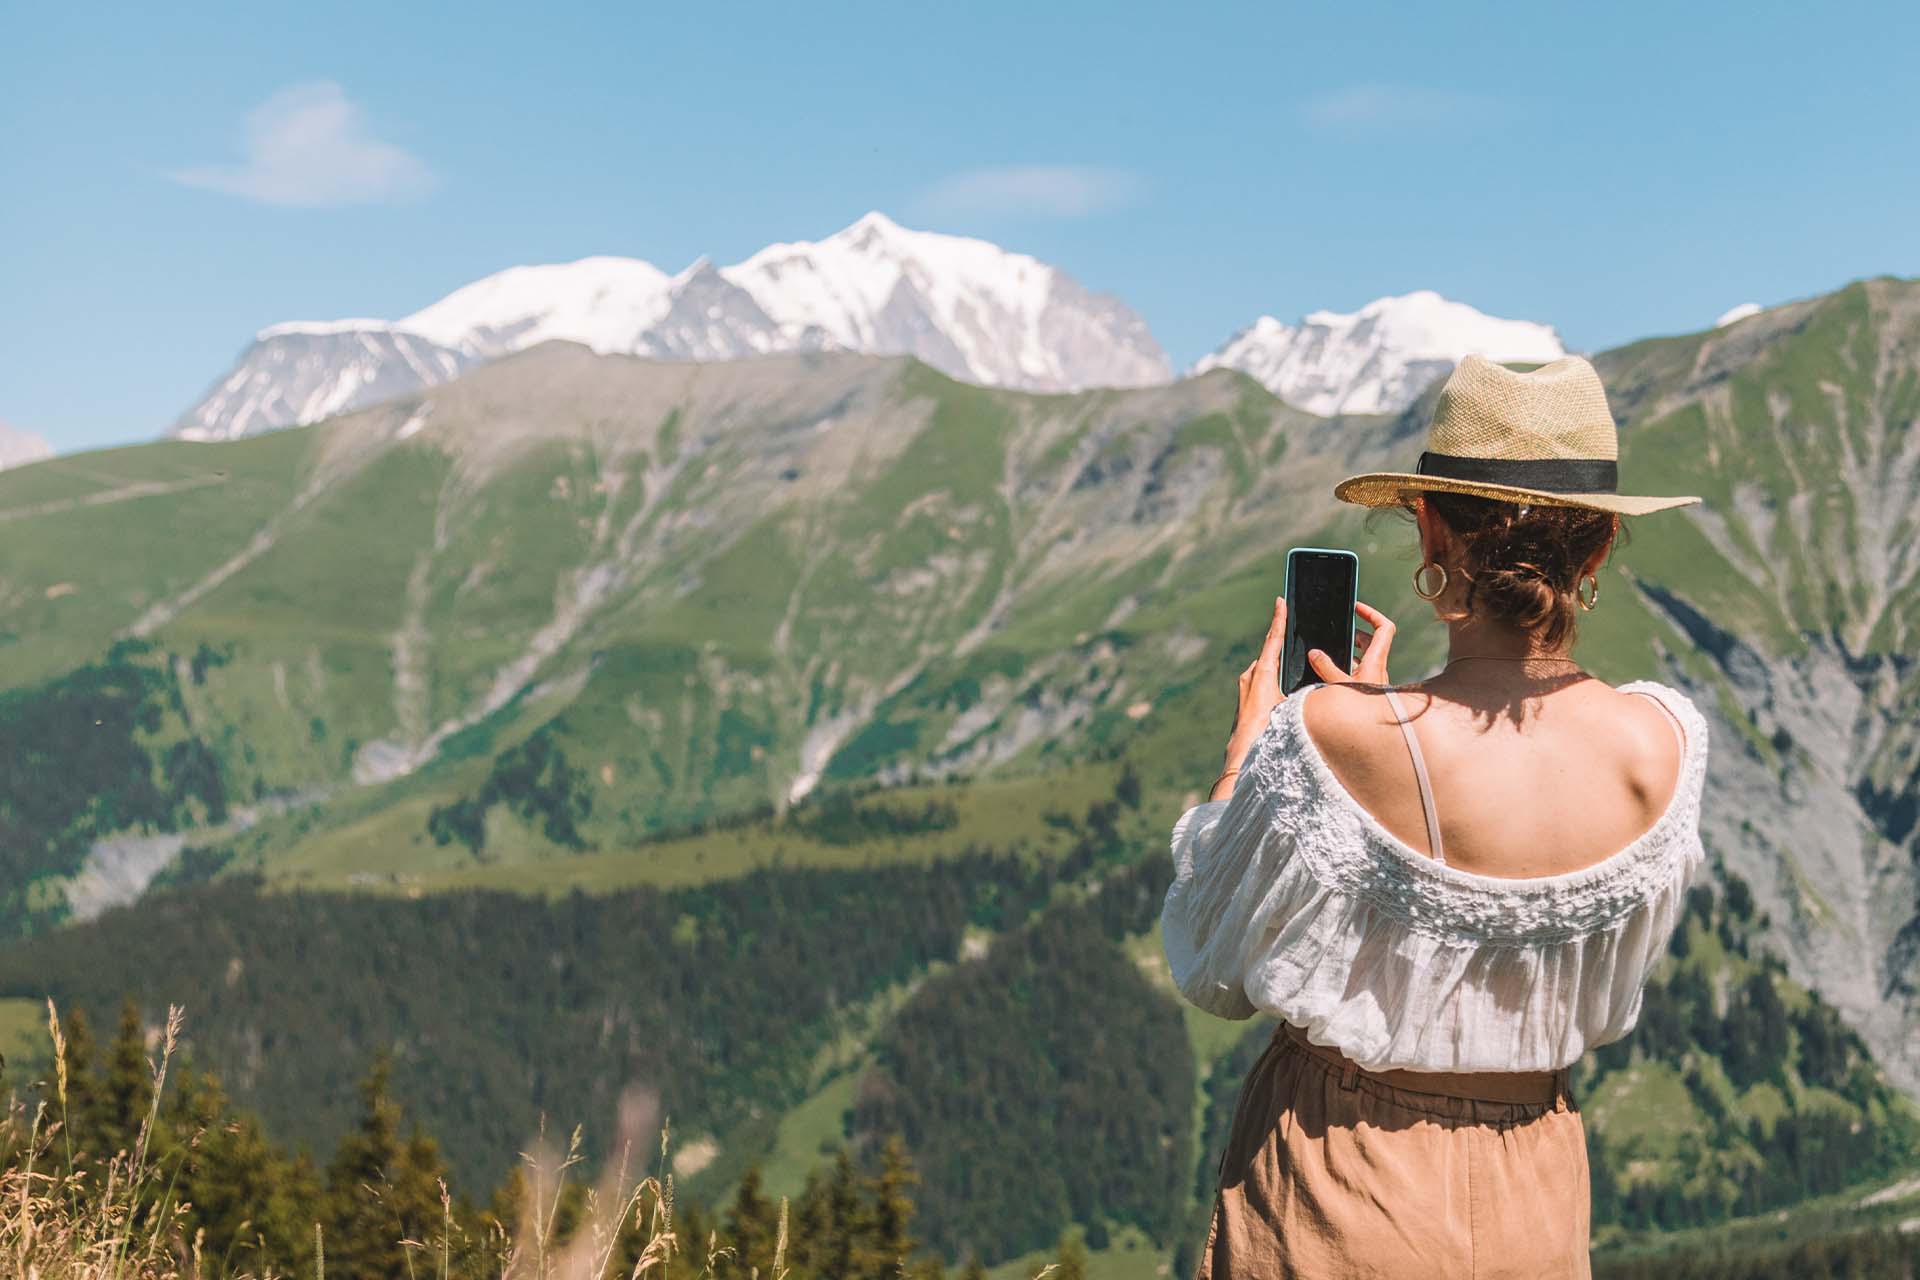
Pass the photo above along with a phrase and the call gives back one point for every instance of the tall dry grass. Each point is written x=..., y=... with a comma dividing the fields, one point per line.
x=63, y=1221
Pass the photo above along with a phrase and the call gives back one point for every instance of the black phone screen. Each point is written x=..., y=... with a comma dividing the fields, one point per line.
x=1320, y=599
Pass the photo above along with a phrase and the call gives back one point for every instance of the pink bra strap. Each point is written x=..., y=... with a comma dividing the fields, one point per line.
x=1420, y=777
x=1679, y=734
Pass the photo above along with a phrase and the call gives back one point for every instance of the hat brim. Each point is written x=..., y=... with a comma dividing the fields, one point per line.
x=1393, y=488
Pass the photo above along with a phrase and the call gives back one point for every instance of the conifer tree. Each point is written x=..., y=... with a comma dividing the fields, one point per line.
x=126, y=1093
x=833, y=1223
x=381, y=1190
x=508, y=1205
x=698, y=1243
x=252, y=1203
x=891, y=1240
x=848, y=1221
x=752, y=1224
x=82, y=1106
x=415, y=1191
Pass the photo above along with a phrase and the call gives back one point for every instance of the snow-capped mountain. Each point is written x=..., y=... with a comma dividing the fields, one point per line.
x=18, y=447
x=1377, y=359
x=603, y=303
x=966, y=307
x=305, y=372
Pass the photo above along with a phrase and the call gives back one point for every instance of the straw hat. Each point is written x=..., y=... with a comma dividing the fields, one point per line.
x=1544, y=437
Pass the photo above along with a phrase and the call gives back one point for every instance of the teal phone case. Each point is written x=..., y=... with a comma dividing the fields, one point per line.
x=1286, y=645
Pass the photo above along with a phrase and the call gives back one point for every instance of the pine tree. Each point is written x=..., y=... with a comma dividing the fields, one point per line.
x=83, y=1090
x=752, y=1224
x=830, y=1225
x=848, y=1222
x=381, y=1191
x=699, y=1242
x=415, y=1193
x=508, y=1205
x=807, y=1224
x=891, y=1240
x=1757, y=1032
x=251, y=1202
x=127, y=1092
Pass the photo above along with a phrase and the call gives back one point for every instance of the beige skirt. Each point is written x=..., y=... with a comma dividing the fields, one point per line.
x=1334, y=1171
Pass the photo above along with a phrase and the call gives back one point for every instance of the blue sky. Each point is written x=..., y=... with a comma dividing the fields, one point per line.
x=1617, y=171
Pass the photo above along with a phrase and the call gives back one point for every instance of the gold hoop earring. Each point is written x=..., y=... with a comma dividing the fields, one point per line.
x=1588, y=599
x=1419, y=581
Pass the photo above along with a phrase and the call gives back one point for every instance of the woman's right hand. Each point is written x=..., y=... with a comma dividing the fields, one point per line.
x=1372, y=648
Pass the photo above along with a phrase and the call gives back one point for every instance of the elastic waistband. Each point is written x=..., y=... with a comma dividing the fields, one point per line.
x=1531, y=1088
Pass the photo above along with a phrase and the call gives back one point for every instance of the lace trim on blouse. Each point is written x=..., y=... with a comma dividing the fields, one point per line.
x=1290, y=897
x=1286, y=769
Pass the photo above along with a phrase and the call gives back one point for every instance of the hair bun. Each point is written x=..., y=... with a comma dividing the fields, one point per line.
x=1523, y=562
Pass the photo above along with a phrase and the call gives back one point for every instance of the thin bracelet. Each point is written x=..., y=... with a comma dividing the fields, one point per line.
x=1222, y=778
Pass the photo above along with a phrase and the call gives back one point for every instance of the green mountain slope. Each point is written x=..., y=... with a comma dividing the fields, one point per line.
x=708, y=587
x=592, y=623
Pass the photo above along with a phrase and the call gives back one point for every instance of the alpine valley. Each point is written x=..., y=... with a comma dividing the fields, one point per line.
x=773, y=685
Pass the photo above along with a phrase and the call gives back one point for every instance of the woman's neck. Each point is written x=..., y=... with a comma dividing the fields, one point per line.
x=1470, y=638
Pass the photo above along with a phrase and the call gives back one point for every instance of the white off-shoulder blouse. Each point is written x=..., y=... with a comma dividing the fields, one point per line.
x=1291, y=899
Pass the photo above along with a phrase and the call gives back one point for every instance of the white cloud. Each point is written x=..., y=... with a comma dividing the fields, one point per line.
x=1043, y=190
x=309, y=145
x=1397, y=107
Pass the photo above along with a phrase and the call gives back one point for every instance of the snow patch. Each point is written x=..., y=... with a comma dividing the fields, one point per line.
x=321, y=328
x=1380, y=358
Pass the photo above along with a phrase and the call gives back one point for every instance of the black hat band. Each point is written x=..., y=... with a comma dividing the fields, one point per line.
x=1549, y=475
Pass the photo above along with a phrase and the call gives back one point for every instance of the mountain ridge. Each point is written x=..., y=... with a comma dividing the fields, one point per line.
x=964, y=306
x=1380, y=358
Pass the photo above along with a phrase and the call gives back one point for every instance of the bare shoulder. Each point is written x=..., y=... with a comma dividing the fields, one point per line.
x=1353, y=726
x=1650, y=750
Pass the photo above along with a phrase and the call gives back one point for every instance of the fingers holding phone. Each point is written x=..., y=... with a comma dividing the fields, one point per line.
x=1371, y=649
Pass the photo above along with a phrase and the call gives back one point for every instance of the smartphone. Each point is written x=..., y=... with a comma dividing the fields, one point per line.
x=1322, y=587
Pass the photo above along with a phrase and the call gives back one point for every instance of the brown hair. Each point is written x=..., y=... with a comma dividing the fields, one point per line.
x=1523, y=562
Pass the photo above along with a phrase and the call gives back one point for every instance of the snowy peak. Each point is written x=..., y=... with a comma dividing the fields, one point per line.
x=965, y=306
x=1380, y=358
x=968, y=308
x=604, y=303
x=320, y=328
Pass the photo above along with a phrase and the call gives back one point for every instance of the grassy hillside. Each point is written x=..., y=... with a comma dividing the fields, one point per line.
x=582, y=665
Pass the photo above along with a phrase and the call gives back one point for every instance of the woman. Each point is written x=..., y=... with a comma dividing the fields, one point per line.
x=1447, y=892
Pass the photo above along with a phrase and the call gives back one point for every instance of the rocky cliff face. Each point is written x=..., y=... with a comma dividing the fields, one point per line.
x=1790, y=603
x=303, y=373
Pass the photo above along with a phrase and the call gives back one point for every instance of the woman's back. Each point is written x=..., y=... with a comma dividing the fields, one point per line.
x=1558, y=781
x=1447, y=894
